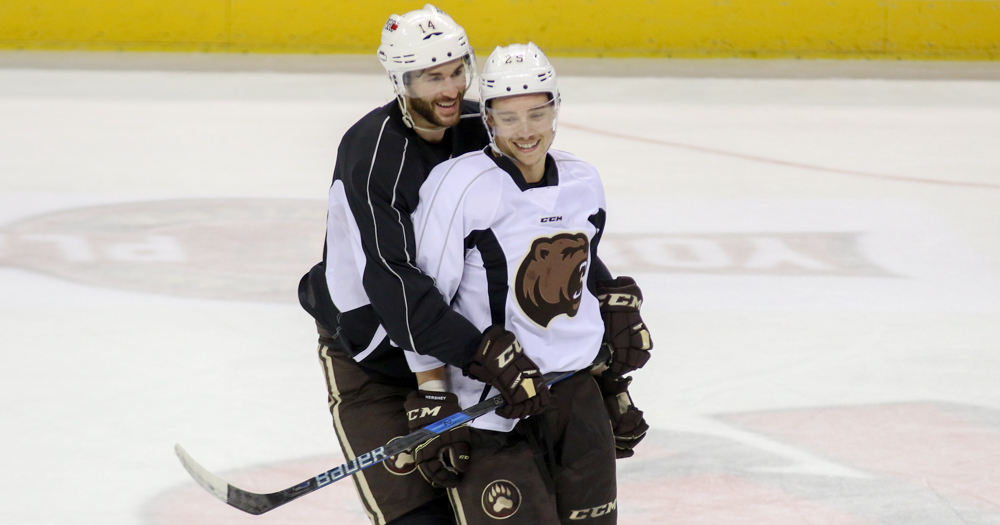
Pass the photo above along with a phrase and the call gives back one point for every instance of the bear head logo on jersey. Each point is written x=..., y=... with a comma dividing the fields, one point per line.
x=550, y=280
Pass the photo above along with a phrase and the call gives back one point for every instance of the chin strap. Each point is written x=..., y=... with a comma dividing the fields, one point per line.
x=408, y=120
x=427, y=129
x=406, y=113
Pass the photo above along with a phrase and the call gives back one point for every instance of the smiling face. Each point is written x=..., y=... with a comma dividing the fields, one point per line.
x=523, y=126
x=435, y=94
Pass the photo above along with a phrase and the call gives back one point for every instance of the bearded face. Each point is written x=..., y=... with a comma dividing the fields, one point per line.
x=434, y=95
x=443, y=111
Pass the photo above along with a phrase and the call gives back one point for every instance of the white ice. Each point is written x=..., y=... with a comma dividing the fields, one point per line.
x=729, y=191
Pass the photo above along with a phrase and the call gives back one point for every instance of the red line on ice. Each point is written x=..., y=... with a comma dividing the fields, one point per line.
x=778, y=162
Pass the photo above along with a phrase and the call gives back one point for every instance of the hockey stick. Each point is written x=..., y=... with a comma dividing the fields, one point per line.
x=254, y=503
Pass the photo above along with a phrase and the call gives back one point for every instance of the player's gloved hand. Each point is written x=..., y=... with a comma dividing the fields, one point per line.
x=444, y=458
x=501, y=362
x=624, y=330
x=627, y=422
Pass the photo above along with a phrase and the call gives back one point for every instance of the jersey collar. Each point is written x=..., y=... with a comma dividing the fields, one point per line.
x=549, y=178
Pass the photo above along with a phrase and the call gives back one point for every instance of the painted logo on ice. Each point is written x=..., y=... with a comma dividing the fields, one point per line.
x=231, y=249
x=257, y=249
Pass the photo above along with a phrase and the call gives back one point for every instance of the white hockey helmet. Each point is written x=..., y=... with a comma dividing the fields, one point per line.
x=419, y=40
x=518, y=69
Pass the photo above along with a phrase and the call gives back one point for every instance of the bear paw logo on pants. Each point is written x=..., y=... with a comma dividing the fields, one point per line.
x=501, y=499
x=550, y=279
x=400, y=464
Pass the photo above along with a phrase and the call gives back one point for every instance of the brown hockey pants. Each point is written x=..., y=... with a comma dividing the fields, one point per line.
x=555, y=468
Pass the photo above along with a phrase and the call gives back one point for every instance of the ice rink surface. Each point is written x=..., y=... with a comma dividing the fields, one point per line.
x=818, y=244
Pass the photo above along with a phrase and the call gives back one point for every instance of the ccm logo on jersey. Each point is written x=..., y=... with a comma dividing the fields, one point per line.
x=620, y=299
x=595, y=512
x=557, y=218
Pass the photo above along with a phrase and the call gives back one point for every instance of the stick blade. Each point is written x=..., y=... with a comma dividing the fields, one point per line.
x=249, y=502
x=208, y=481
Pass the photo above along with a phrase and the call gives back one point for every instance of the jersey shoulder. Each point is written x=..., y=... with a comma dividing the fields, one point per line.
x=573, y=166
x=470, y=176
x=383, y=123
x=373, y=150
x=565, y=157
x=464, y=169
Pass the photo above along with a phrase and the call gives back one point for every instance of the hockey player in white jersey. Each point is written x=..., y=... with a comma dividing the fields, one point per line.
x=510, y=235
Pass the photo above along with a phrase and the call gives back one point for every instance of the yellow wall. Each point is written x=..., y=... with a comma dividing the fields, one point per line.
x=968, y=29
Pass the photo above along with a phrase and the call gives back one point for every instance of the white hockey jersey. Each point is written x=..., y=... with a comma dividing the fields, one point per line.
x=518, y=255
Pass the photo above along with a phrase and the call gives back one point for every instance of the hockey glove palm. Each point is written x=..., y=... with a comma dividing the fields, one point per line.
x=444, y=458
x=624, y=330
x=627, y=422
x=501, y=362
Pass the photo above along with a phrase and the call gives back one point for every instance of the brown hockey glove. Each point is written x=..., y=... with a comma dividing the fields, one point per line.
x=443, y=458
x=624, y=330
x=627, y=422
x=501, y=362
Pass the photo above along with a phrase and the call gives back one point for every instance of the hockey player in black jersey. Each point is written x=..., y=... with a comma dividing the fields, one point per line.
x=384, y=327
x=510, y=235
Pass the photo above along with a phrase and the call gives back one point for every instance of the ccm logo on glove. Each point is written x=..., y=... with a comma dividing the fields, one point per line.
x=508, y=355
x=501, y=362
x=418, y=413
x=621, y=299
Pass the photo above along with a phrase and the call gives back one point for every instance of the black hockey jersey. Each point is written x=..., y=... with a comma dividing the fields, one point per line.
x=368, y=287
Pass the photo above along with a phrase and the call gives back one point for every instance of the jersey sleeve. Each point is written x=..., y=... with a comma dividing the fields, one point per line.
x=598, y=270
x=453, y=203
x=409, y=306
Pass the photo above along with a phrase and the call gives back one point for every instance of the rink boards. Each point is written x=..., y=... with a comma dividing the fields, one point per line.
x=963, y=29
